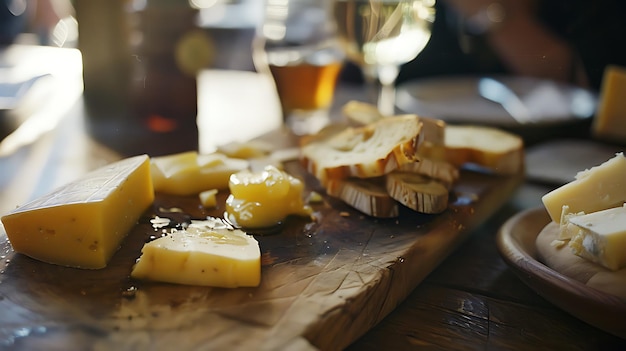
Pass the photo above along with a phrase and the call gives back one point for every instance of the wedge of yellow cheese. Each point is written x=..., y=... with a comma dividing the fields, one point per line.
x=83, y=223
x=208, y=253
x=595, y=189
x=600, y=237
x=610, y=120
x=190, y=173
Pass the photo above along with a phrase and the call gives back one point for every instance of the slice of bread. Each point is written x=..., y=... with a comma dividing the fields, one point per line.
x=490, y=148
x=360, y=113
x=369, y=151
x=366, y=195
x=443, y=171
x=417, y=192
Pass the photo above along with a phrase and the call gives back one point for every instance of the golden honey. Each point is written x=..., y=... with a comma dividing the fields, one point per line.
x=264, y=199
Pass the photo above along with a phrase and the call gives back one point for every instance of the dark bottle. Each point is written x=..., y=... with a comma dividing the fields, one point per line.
x=170, y=50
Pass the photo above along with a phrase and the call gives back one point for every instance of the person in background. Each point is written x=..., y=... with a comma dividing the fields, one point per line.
x=564, y=40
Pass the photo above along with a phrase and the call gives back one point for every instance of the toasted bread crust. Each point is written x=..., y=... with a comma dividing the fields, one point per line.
x=364, y=152
x=495, y=150
x=417, y=192
x=366, y=195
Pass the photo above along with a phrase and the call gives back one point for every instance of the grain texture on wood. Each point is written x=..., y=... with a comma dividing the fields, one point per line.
x=324, y=283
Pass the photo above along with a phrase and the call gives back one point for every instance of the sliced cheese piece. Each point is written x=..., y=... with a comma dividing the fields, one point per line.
x=208, y=198
x=365, y=152
x=190, y=173
x=263, y=199
x=417, y=192
x=366, y=195
x=246, y=150
x=207, y=253
x=601, y=237
x=83, y=223
x=595, y=189
x=610, y=120
x=565, y=232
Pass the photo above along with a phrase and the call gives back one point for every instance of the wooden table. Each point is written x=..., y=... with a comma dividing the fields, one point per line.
x=472, y=301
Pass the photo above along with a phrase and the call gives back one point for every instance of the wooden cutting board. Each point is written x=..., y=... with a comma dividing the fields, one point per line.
x=324, y=283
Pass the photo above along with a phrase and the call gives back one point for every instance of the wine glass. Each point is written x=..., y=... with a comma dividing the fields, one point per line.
x=381, y=35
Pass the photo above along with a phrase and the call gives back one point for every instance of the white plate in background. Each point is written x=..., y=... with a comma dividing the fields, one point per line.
x=456, y=99
x=557, y=162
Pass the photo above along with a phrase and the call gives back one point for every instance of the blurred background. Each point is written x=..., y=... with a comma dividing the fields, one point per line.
x=54, y=22
x=139, y=60
x=148, y=54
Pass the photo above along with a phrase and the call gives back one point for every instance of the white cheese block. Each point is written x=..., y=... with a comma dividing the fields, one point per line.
x=208, y=253
x=600, y=237
x=595, y=189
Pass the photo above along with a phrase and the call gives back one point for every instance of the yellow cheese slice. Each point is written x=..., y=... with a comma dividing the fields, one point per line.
x=208, y=198
x=208, y=253
x=83, y=223
x=610, y=120
x=595, y=189
x=190, y=173
x=601, y=237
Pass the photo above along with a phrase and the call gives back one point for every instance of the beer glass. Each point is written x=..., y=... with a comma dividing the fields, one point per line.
x=297, y=45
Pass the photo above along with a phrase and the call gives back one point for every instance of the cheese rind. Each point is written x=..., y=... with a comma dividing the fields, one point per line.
x=595, y=189
x=83, y=223
x=207, y=253
x=600, y=237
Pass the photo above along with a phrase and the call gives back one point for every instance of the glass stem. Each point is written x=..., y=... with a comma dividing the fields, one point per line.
x=387, y=96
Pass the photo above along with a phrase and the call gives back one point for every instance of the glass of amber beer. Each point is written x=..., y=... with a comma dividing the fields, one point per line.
x=297, y=44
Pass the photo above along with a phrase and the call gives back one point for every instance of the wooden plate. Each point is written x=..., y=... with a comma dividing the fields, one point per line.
x=324, y=283
x=516, y=243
